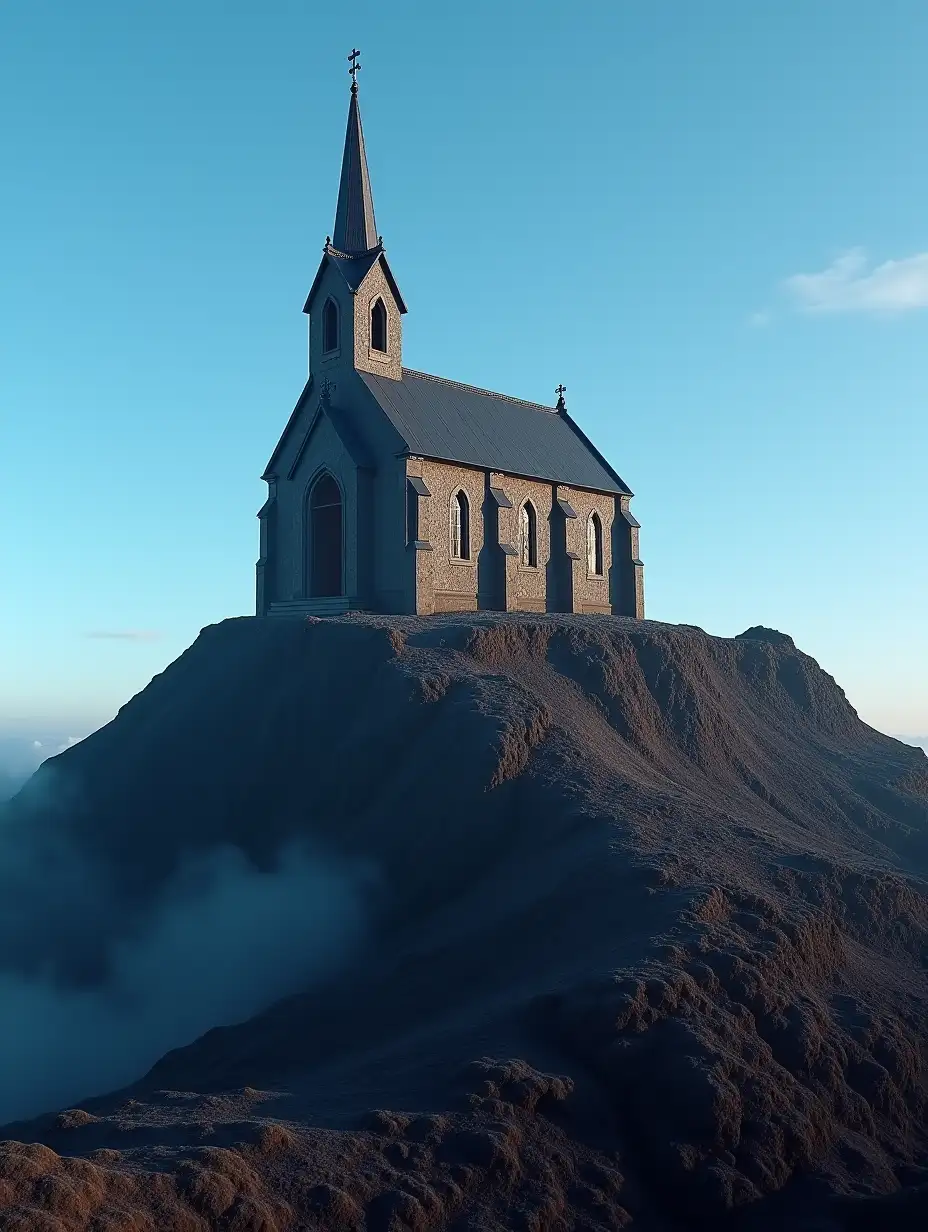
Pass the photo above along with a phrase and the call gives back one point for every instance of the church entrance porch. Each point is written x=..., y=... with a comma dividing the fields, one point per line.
x=324, y=540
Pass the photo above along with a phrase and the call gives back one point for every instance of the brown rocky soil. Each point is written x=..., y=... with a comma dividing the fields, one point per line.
x=645, y=937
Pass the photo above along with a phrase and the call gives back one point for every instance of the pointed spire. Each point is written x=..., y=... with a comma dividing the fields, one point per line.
x=355, y=229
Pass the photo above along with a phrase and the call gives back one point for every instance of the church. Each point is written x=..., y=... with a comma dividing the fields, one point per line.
x=391, y=490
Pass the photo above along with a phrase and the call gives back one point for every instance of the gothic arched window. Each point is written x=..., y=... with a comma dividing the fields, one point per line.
x=325, y=537
x=330, y=326
x=379, y=326
x=528, y=535
x=594, y=545
x=460, y=526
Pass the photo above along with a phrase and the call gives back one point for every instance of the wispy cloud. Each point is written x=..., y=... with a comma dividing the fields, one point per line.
x=919, y=741
x=46, y=750
x=850, y=284
x=126, y=635
x=759, y=319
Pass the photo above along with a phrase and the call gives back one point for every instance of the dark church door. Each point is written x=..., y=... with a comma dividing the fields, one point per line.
x=325, y=517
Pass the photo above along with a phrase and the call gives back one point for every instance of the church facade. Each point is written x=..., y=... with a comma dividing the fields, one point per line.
x=391, y=490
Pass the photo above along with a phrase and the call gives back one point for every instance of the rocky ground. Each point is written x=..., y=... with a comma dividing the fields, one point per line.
x=616, y=924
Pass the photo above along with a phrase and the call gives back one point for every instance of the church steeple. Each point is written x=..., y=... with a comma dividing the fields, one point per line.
x=354, y=304
x=355, y=229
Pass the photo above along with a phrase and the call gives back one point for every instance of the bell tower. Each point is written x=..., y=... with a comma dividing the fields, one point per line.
x=354, y=306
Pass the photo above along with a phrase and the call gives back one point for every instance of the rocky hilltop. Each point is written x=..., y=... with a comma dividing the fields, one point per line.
x=561, y=923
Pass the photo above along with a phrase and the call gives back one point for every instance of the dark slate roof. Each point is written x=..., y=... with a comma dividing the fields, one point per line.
x=341, y=422
x=355, y=228
x=354, y=270
x=288, y=428
x=459, y=423
x=355, y=246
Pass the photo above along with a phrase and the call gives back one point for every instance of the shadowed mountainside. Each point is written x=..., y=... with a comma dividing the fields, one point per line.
x=644, y=937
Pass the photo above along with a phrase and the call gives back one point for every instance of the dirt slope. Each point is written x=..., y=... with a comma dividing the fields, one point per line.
x=646, y=936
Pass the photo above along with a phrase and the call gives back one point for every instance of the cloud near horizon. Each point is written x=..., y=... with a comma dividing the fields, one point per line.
x=126, y=635
x=848, y=285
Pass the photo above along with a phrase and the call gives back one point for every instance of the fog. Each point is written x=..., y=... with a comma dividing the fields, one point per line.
x=10, y=783
x=21, y=755
x=93, y=990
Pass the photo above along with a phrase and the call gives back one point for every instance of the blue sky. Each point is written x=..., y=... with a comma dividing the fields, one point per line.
x=708, y=220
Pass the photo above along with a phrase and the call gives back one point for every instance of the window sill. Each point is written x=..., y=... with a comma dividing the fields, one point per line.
x=460, y=560
x=382, y=357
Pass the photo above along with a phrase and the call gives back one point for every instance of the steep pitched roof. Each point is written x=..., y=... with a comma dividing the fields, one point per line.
x=342, y=423
x=460, y=423
x=354, y=270
x=355, y=229
x=270, y=470
x=355, y=246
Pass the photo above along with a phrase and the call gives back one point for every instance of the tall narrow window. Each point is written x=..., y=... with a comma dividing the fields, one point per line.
x=412, y=514
x=460, y=526
x=330, y=326
x=594, y=545
x=528, y=535
x=325, y=537
x=379, y=326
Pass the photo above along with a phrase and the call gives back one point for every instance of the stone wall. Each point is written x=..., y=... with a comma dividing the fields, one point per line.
x=267, y=565
x=389, y=363
x=626, y=579
x=590, y=592
x=324, y=451
x=324, y=363
x=444, y=584
x=354, y=351
x=526, y=587
x=561, y=580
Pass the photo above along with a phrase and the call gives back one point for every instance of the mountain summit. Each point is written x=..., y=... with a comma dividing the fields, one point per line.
x=501, y=921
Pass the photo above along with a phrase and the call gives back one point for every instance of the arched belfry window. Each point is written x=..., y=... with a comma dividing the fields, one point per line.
x=325, y=537
x=528, y=535
x=378, y=326
x=460, y=526
x=594, y=545
x=330, y=326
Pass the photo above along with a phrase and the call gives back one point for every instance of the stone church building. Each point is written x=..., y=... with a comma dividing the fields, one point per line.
x=391, y=490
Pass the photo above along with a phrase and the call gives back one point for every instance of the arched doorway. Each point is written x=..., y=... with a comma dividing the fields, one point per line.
x=325, y=538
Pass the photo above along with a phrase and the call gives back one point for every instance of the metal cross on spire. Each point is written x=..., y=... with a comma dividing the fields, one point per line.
x=355, y=67
x=561, y=391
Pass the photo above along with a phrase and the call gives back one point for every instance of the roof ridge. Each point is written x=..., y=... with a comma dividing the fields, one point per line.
x=353, y=256
x=477, y=389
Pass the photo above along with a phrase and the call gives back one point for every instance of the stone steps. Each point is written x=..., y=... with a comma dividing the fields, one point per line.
x=334, y=605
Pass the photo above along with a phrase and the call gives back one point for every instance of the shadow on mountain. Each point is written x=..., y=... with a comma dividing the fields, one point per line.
x=499, y=921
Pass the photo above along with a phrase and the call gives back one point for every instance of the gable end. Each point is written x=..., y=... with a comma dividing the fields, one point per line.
x=269, y=472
